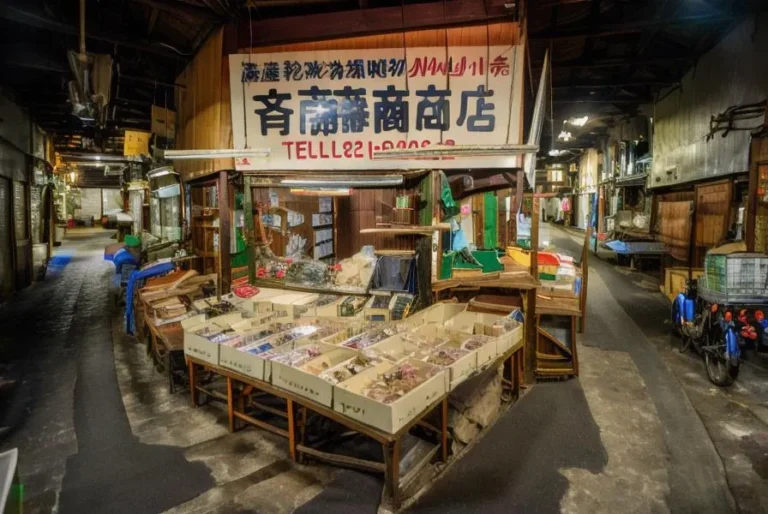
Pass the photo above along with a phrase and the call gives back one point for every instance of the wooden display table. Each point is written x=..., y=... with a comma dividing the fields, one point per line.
x=298, y=407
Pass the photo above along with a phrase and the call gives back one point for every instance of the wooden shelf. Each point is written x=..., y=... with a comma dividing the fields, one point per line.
x=405, y=230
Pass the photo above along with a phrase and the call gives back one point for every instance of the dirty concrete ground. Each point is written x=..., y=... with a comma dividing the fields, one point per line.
x=640, y=431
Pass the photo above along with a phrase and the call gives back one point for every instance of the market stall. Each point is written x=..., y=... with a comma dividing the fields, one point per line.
x=378, y=381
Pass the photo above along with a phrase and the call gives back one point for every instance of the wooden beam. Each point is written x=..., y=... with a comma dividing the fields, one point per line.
x=181, y=8
x=612, y=63
x=152, y=21
x=636, y=100
x=368, y=21
x=30, y=19
x=628, y=28
x=611, y=85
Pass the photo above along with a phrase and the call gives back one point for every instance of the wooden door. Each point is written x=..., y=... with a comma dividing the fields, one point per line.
x=6, y=256
x=713, y=203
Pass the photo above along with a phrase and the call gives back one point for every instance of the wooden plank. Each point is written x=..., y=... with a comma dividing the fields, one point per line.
x=277, y=34
x=343, y=460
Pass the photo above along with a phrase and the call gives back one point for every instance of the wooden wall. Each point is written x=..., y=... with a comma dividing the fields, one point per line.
x=204, y=118
x=507, y=33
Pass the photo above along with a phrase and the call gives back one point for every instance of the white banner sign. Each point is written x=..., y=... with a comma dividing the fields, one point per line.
x=330, y=110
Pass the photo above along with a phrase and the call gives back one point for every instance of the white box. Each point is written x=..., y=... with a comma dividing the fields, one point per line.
x=239, y=359
x=327, y=310
x=305, y=380
x=350, y=401
x=438, y=313
x=202, y=348
x=463, y=367
x=252, y=304
x=290, y=305
x=483, y=324
x=392, y=349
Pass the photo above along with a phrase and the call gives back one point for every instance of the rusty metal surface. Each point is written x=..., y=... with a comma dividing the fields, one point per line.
x=730, y=74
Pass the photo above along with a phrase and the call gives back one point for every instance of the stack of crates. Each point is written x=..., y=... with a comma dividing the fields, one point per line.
x=736, y=278
x=715, y=268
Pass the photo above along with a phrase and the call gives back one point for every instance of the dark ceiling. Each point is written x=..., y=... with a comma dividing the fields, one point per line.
x=609, y=56
x=612, y=58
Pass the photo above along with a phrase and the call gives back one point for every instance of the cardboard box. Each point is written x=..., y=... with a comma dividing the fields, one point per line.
x=239, y=357
x=305, y=380
x=261, y=301
x=392, y=349
x=351, y=306
x=463, y=367
x=349, y=398
x=438, y=313
x=371, y=313
x=199, y=346
x=325, y=306
x=483, y=324
x=291, y=305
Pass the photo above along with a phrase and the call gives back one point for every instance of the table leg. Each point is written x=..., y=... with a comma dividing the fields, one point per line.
x=192, y=383
x=396, y=474
x=517, y=368
x=230, y=405
x=291, y=431
x=302, y=431
x=444, y=431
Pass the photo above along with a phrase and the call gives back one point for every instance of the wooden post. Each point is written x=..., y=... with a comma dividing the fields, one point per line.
x=192, y=383
x=225, y=228
x=530, y=314
x=291, y=431
x=230, y=405
x=250, y=228
x=444, y=429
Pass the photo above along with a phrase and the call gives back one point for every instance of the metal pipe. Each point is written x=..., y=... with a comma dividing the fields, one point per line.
x=95, y=157
x=219, y=153
x=456, y=151
x=374, y=181
x=83, y=54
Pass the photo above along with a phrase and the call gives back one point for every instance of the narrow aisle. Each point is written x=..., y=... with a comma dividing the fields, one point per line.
x=622, y=315
x=77, y=452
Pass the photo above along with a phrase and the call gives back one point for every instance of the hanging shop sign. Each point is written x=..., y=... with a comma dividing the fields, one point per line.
x=135, y=142
x=331, y=110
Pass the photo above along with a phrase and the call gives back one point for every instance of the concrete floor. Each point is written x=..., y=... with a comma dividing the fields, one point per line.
x=640, y=431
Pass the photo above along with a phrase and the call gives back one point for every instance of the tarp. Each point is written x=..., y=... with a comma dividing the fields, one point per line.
x=153, y=271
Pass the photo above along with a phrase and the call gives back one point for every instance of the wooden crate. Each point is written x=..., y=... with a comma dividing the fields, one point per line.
x=674, y=280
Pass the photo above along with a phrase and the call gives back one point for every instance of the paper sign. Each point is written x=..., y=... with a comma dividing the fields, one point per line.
x=136, y=143
x=333, y=109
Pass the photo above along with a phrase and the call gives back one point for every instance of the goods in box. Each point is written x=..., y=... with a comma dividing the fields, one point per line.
x=390, y=396
x=393, y=349
x=203, y=338
x=351, y=306
x=293, y=373
x=446, y=349
x=347, y=369
x=378, y=308
x=240, y=356
x=370, y=336
x=293, y=305
x=438, y=313
x=507, y=331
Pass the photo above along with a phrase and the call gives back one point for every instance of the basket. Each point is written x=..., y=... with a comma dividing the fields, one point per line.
x=735, y=278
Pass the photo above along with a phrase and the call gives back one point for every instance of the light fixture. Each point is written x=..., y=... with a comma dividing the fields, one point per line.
x=435, y=151
x=72, y=176
x=564, y=136
x=344, y=181
x=344, y=191
x=94, y=158
x=161, y=172
x=220, y=153
x=555, y=152
x=579, y=122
